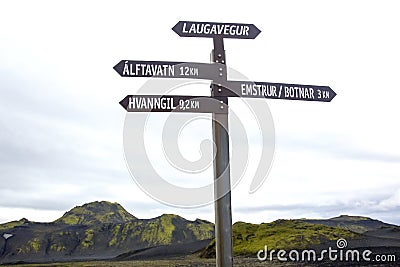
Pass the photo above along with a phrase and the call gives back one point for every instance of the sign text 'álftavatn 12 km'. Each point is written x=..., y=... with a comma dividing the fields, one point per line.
x=168, y=69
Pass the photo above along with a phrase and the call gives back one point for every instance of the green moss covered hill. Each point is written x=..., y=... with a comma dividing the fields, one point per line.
x=359, y=231
x=104, y=230
x=96, y=230
x=95, y=213
x=249, y=238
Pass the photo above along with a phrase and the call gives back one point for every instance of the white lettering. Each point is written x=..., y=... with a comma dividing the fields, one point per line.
x=311, y=93
x=220, y=28
x=246, y=30
x=366, y=255
x=310, y=253
x=264, y=90
x=260, y=252
x=192, y=28
x=207, y=28
x=298, y=92
x=216, y=29
x=131, y=103
x=226, y=29
x=243, y=86
x=148, y=70
x=166, y=103
x=126, y=69
x=232, y=30
x=292, y=258
x=213, y=29
x=322, y=255
x=239, y=31
x=281, y=255
x=184, y=28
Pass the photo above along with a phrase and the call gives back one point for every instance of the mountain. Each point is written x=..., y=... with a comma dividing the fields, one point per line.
x=249, y=238
x=12, y=224
x=95, y=213
x=358, y=224
x=106, y=231
x=359, y=232
x=97, y=230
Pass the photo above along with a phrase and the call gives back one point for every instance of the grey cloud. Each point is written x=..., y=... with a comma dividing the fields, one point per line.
x=39, y=152
x=374, y=206
x=335, y=146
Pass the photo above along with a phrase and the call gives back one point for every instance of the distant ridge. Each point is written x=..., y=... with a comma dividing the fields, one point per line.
x=358, y=224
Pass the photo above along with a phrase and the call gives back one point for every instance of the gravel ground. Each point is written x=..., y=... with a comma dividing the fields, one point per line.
x=189, y=261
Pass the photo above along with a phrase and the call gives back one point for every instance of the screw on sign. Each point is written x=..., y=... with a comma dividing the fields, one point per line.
x=217, y=104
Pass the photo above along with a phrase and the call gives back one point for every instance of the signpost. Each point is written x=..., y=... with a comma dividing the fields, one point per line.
x=222, y=179
x=217, y=104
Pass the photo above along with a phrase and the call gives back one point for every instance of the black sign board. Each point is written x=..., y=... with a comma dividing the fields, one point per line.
x=168, y=69
x=216, y=29
x=276, y=91
x=178, y=103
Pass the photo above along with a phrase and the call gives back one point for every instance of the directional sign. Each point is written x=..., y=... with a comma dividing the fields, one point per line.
x=217, y=104
x=216, y=29
x=276, y=91
x=168, y=103
x=167, y=69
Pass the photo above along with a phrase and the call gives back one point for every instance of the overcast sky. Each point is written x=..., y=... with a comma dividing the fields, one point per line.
x=61, y=125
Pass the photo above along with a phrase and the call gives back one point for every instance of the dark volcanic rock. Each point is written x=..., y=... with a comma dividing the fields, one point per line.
x=164, y=252
x=98, y=230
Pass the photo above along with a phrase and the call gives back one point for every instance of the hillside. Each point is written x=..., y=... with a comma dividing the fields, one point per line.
x=360, y=232
x=249, y=238
x=358, y=224
x=97, y=230
x=106, y=231
x=95, y=213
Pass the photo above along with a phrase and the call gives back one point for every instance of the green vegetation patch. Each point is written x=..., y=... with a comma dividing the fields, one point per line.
x=249, y=238
x=201, y=230
x=32, y=246
x=283, y=234
x=88, y=242
x=96, y=213
x=10, y=225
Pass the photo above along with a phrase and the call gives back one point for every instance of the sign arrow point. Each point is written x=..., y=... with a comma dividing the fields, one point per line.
x=176, y=28
x=119, y=67
x=333, y=94
x=124, y=103
x=256, y=31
